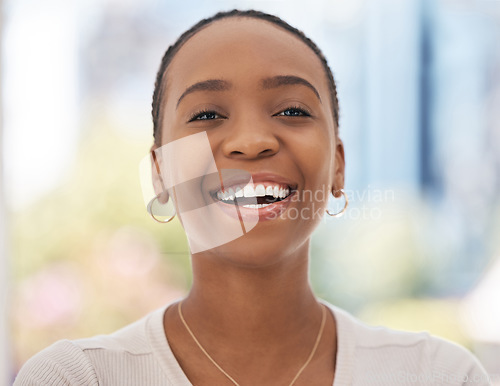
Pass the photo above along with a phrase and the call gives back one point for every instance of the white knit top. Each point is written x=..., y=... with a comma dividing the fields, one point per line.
x=139, y=354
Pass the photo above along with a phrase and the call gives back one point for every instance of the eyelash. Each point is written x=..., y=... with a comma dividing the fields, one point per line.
x=200, y=113
x=301, y=110
x=195, y=116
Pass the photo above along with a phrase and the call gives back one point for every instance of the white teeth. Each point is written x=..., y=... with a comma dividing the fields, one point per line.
x=257, y=206
x=248, y=191
x=283, y=192
x=253, y=191
x=227, y=195
x=260, y=191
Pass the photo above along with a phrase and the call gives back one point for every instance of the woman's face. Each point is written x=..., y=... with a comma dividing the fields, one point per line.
x=262, y=97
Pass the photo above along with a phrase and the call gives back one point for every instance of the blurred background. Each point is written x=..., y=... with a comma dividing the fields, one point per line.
x=419, y=90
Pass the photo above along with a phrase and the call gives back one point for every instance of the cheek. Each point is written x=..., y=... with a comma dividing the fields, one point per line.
x=316, y=158
x=317, y=179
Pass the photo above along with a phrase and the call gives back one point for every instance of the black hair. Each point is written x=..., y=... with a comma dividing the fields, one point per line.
x=174, y=48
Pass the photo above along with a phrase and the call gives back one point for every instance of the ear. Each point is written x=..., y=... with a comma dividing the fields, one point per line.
x=339, y=169
x=158, y=183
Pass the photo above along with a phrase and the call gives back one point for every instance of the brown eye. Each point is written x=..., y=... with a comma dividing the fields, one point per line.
x=293, y=112
x=207, y=115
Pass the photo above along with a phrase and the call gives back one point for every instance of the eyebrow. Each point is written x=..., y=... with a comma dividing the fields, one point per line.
x=285, y=80
x=266, y=83
x=206, y=85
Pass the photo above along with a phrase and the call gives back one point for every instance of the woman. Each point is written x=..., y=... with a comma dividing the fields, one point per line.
x=245, y=118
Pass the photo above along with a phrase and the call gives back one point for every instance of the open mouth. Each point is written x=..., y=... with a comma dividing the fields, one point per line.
x=254, y=196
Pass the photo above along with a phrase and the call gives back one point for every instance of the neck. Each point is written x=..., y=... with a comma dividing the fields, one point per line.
x=252, y=307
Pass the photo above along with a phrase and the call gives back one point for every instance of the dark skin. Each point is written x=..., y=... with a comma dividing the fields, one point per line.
x=251, y=305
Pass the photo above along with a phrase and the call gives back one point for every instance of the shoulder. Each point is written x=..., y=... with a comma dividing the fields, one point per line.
x=422, y=356
x=405, y=357
x=62, y=363
x=86, y=361
x=455, y=363
x=418, y=347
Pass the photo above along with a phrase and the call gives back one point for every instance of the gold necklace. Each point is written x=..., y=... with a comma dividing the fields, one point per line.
x=318, y=338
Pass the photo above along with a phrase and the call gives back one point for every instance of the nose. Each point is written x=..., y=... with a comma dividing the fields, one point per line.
x=250, y=139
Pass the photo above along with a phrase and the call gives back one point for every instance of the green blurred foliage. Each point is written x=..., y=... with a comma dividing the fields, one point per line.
x=102, y=192
x=82, y=243
x=380, y=256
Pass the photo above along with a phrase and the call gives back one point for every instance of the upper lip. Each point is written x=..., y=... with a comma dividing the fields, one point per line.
x=243, y=177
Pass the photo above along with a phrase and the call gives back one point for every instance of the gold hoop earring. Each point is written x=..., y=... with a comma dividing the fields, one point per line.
x=150, y=211
x=338, y=214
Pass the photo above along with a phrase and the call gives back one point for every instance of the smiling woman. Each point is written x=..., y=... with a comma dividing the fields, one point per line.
x=245, y=117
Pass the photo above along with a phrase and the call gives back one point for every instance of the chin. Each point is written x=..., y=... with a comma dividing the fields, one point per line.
x=254, y=251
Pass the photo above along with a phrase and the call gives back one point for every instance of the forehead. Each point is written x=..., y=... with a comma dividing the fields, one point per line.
x=243, y=50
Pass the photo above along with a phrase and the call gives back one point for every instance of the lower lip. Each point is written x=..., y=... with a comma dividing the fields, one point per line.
x=269, y=212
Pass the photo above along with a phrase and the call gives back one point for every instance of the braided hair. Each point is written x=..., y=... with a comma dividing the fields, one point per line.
x=174, y=48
